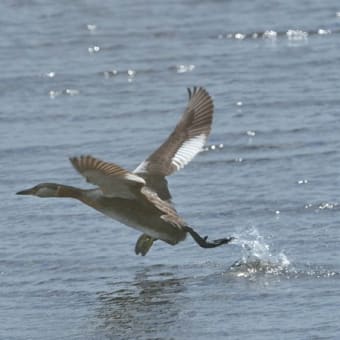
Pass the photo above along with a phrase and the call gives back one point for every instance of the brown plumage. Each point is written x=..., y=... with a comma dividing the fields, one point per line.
x=141, y=199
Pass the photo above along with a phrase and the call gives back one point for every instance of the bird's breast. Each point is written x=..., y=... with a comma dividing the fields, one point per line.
x=138, y=215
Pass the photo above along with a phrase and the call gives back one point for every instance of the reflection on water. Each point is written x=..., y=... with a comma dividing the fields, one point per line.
x=149, y=304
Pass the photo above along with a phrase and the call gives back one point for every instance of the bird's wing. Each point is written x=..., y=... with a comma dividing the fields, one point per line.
x=187, y=139
x=113, y=180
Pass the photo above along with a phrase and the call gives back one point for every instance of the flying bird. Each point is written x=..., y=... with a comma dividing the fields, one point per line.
x=141, y=198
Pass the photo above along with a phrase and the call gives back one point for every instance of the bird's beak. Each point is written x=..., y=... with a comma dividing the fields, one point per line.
x=26, y=192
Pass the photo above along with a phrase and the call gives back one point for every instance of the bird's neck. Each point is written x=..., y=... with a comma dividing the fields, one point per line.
x=68, y=191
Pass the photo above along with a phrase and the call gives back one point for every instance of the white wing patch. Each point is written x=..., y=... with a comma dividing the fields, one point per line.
x=142, y=167
x=188, y=151
x=134, y=178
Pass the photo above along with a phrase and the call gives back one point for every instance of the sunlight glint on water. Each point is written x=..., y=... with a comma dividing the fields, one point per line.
x=109, y=78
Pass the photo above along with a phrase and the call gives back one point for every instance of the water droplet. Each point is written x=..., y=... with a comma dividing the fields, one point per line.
x=302, y=181
x=221, y=146
x=94, y=49
x=131, y=73
x=53, y=94
x=108, y=74
x=71, y=92
x=50, y=74
x=258, y=257
x=91, y=27
x=239, y=103
x=277, y=212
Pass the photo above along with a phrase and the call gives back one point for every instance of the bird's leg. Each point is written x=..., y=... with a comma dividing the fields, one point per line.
x=143, y=244
x=202, y=242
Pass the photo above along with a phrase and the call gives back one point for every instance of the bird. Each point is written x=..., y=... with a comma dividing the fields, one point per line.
x=141, y=198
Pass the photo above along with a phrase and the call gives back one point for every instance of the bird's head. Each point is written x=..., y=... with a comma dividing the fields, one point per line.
x=42, y=190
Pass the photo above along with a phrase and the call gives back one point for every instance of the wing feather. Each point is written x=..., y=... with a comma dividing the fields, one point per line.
x=187, y=139
x=113, y=180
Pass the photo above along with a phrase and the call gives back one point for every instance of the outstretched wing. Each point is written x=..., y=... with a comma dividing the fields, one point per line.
x=186, y=141
x=113, y=180
x=183, y=144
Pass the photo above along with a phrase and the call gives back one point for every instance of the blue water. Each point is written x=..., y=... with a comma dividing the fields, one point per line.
x=109, y=78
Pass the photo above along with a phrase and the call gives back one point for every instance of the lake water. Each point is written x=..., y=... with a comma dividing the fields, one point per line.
x=109, y=78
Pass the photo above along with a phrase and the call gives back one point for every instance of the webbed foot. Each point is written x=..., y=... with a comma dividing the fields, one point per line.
x=143, y=244
x=202, y=242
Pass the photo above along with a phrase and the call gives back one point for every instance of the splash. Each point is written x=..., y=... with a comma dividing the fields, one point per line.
x=257, y=257
x=260, y=263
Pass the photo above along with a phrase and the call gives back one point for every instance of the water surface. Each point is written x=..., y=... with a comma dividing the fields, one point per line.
x=109, y=79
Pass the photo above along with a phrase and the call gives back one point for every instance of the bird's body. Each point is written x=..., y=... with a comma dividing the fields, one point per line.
x=140, y=214
x=141, y=199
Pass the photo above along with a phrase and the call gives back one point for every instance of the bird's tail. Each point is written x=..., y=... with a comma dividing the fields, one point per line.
x=202, y=241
